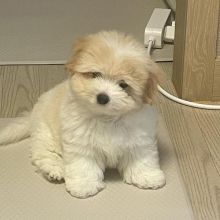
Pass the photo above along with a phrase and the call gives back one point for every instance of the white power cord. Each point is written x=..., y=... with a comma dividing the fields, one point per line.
x=176, y=99
x=150, y=45
x=171, y=4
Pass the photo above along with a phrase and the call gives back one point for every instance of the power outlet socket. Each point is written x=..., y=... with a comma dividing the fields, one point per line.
x=155, y=27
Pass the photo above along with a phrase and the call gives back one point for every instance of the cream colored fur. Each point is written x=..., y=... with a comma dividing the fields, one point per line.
x=75, y=138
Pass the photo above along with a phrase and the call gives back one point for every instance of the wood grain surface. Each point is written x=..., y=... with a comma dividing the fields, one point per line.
x=196, y=138
x=195, y=48
x=20, y=86
x=216, y=87
x=218, y=38
x=179, y=46
x=195, y=133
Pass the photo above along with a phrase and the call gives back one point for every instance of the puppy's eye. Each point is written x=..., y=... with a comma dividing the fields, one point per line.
x=123, y=85
x=95, y=74
x=92, y=74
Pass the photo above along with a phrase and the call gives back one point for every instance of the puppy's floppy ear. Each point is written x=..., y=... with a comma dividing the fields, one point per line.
x=155, y=77
x=78, y=47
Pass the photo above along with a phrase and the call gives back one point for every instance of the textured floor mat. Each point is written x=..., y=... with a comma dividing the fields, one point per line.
x=26, y=195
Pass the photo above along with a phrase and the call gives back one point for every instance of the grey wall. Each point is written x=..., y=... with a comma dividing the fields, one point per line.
x=40, y=31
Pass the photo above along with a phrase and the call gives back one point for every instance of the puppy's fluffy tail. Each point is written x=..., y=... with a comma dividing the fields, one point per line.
x=15, y=131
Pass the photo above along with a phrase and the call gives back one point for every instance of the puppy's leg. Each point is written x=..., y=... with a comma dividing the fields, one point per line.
x=140, y=167
x=46, y=154
x=83, y=176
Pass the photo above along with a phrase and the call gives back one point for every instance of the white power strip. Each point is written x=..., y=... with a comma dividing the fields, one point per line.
x=156, y=26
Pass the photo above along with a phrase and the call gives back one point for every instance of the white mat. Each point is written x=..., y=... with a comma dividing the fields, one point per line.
x=42, y=32
x=26, y=195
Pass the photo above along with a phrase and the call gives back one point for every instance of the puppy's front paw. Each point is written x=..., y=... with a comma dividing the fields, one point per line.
x=55, y=175
x=146, y=178
x=84, y=188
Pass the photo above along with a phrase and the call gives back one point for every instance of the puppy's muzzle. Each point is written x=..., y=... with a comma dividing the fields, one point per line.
x=103, y=99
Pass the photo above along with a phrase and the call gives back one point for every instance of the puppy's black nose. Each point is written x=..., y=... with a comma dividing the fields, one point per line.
x=102, y=98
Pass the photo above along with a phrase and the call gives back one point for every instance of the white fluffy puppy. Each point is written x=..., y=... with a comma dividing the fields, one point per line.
x=100, y=117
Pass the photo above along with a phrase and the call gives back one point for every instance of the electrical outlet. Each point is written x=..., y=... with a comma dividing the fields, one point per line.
x=155, y=27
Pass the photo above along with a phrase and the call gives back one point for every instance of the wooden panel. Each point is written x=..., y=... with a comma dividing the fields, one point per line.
x=179, y=45
x=20, y=86
x=196, y=136
x=217, y=67
x=216, y=87
x=195, y=48
x=218, y=39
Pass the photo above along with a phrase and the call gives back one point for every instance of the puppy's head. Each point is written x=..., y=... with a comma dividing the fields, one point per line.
x=111, y=73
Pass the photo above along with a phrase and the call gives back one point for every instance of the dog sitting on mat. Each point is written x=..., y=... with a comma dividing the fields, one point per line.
x=101, y=117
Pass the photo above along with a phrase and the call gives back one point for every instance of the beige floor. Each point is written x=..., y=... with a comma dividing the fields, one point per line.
x=195, y=135
x=27, y=195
